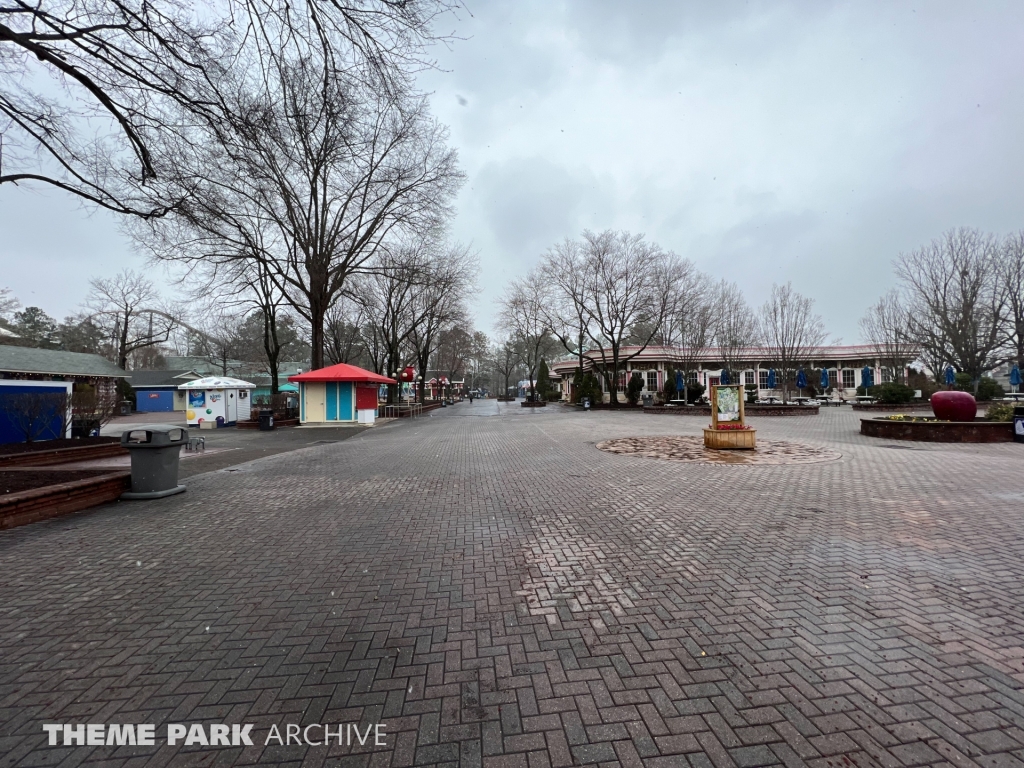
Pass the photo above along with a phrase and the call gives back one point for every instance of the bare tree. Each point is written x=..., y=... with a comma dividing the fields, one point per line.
x=886, y=326
x=631, y=287
x=957, y=300
x=129, y=309
x=734, y=326
x=1011, y=272
x=565, y=271
x=440, y=303
x=336, y=171
x=139, y=67
x=523, y=315
x=507, y=357
x=8, y=304
x=454, y=350
x=695, y=324
x=343, y=332
x=791, y=332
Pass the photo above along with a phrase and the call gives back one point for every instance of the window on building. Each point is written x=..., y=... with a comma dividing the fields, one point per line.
x=763, y=379
x=832, y=377
x=622, y=381
x=692, y=378
x=848, y=378
x=748, y=377
x=652, y=381
x=886, y=375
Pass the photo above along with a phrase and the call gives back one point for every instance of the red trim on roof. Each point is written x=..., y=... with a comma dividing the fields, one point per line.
x=342, y=372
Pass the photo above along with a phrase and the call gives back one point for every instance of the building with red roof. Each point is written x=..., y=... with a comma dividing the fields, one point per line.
x=339, y=394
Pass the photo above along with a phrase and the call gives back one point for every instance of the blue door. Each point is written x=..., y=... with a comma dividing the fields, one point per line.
x=345, y=401
x=154, y=400
x=332, y=400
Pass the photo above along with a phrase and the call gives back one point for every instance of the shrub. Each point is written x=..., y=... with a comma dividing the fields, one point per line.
x=543, y=380
x=669, y=388
x=634, y=388
x=892, y=393
x=554, y=396
x=694, y=393
x=586, y=385
x=1000, y=412
x=988, y=388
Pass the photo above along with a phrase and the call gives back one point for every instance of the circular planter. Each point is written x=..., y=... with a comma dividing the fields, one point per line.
x=954, y=406
x=977, y=431
x=729, y=439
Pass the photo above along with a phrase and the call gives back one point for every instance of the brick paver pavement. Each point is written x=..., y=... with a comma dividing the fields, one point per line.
x=498, y=592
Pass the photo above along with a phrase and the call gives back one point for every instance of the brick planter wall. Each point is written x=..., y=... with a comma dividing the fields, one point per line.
x=883, y=407
x=748, y=410
x=939, y=432
x=46, y=458
x=277, y=423
x=62, y=499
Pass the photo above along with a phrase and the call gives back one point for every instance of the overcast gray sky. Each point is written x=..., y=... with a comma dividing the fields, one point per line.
x=768, y=142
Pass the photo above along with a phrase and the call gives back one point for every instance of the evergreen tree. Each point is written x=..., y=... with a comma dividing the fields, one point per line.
x=543, y=380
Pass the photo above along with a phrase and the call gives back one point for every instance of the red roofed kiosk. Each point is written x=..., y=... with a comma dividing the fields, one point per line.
x=338, y=394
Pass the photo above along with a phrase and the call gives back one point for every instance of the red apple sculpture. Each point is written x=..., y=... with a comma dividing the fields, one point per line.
x=954, y=406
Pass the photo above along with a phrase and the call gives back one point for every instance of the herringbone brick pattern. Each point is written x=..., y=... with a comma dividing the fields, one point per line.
x=500, y=593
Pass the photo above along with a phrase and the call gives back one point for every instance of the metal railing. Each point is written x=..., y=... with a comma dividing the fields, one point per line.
x=403, y=410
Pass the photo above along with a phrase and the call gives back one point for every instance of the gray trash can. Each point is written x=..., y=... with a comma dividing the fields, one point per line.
x=154, y=449
x=266, y=419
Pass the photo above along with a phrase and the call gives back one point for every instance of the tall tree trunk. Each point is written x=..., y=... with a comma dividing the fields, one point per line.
x=317, y=312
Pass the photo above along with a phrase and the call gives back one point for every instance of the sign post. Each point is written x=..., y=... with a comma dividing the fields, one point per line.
x=728, y=429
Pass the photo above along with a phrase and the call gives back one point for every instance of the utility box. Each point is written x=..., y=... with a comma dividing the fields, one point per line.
x=154, y=450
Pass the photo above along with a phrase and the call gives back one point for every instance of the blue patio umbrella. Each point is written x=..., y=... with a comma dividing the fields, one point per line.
x=801, y=379
x=950, y=376
x=867, y=378
x=771, y=378
x=824, y=379
x=725, y=377
x=1015, y=376
x=679, y=381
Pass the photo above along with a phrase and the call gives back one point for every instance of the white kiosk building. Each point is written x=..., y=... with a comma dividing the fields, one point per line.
x=216, y=401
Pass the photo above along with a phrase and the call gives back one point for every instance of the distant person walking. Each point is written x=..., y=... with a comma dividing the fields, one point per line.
x=470, y=398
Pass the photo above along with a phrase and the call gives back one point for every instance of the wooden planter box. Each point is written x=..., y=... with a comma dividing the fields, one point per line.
x=538, y=404
x=729, y=439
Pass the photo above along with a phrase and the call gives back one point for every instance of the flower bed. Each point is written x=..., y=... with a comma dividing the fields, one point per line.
x=930, y=429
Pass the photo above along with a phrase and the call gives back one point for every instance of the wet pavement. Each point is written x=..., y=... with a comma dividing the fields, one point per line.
x=497, y=591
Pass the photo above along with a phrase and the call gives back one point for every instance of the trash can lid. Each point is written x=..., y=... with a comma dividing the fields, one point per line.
x=154, y=434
